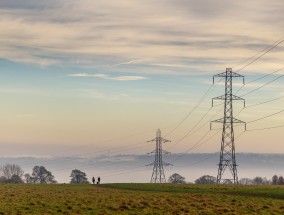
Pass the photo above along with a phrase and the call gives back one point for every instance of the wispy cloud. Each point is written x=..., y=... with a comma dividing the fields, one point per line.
x=104, y=76
x=89, y=33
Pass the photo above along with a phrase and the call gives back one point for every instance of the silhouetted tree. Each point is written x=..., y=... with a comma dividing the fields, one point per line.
x=275, y=180
x=29, y=179
x=281, y=180
x=257, y=180
x=10, y=170
x=176, y=179
x=15, y=179
x=206, y=179
x=78, y=177
x=41, y=176
x=3, y=180
x=260, y=181
x=246, y=181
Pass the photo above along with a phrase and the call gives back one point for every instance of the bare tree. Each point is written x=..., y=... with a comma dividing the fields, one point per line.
x=9, y=170
x=246, y=181
x=176, y=179
x=206, y=179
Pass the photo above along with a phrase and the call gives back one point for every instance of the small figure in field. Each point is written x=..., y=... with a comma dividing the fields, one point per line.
x=93, y=180
x=99, y=180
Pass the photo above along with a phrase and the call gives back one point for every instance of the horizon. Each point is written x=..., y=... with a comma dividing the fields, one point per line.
x=132, y=168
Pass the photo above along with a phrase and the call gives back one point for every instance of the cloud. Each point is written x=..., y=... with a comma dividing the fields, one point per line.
x=178, y=36
x=104, y=76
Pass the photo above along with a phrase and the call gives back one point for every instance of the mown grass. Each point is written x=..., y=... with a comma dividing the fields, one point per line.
x=140, y=199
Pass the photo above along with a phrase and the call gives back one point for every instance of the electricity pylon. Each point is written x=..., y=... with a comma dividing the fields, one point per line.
x=158, y=175
x=227, y=153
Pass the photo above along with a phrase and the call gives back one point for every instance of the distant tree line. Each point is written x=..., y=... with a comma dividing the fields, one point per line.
x=14, y=174
x=275, y=180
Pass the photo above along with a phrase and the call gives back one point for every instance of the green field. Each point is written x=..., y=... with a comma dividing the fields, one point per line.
x=140, y=199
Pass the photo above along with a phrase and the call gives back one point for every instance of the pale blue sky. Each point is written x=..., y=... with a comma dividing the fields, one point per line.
x=81, y=72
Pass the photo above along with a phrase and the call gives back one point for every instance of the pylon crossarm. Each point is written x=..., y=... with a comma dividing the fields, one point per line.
x=230, y=74
x=165, y=140
x=167, y=164
x=222, y=120
x=151, y=140
x=219, y=98
x=238, y=121
x=166, y=152
x=228, y=120
x=151, y=152
x=223, y=97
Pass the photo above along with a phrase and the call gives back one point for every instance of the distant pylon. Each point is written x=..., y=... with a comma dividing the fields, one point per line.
x=227, y=153
x=158, y=175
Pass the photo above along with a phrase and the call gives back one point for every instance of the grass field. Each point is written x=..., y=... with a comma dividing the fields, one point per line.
x=140, y=199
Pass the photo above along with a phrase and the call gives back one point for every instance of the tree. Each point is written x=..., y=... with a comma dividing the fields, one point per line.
x=15, y=179
x=275, y=180
x=78, y=177
x=176, y=179
x=206, y=179
x=281, y=180
x=246, y=181
x=260, y=181
x=3, y=180
x=266, y=181
x=29, y=179
x=9, y=170
x=41, y=176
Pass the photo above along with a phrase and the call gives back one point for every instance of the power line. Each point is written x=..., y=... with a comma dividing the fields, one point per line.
x=268, y=101
x=193, y=128
x=274, y=46
x=258, y=88
x=190, y=131
x=258, y=53
x=138, y=168
x=262, y=118
x=267, y=128
x=198, y=143
x=265, y=117
x=257, y=79
x=198, y=162
x=192, y=110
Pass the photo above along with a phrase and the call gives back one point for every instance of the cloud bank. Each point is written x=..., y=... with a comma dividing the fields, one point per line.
x=174, y=36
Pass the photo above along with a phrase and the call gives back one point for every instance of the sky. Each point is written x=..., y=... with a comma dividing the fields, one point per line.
x=100, y=77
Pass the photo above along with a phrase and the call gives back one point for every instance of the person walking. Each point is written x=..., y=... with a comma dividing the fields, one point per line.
x=99, y=180
x=93, y=180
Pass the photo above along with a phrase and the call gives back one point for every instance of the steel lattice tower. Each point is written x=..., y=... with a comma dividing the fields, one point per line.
x=227, y=153
x=158, y=175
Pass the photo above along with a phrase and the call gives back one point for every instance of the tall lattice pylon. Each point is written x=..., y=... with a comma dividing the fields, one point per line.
x=158, y=175
x=227, y=153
